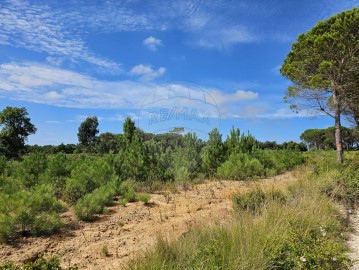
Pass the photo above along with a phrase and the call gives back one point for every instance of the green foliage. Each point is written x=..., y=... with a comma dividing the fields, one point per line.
x=259, y=163
x=152, y=162
x=186, y=159
x=254, y=200
x=89, y=174
x=345, y=184
x=240, y=166
x=325, y=138
x=87, y=132
x=15, y=128
x=251, y=201
x=308, y=249
x=127, y=190
x=283, y=234
x=144, y=197
x=129, y=130
x=3, y=164
x=213, y=153
x=57, y=171
x=108, y=142
x=36, y=211
x=132, y=160
x=104, y=251
x=94, y=202
x=322, y=64
x=40, y=264
x=31, y=168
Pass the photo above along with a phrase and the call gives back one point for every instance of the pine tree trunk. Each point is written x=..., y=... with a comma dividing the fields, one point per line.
x=338, y=135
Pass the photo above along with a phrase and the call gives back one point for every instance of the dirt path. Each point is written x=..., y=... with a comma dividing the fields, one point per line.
x=354, y=241
x=126, y=231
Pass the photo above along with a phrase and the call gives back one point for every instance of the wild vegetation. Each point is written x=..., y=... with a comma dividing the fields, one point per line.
x=37, y=187
x=323, y=66
x=297, y=227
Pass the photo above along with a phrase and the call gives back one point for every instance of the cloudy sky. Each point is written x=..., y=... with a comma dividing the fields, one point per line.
x=205, y=63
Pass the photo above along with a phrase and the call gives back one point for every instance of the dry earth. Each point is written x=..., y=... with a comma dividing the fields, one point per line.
x=354, y=241
x=129, y=230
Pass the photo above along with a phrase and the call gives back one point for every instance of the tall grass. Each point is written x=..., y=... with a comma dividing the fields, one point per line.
x=296, y=228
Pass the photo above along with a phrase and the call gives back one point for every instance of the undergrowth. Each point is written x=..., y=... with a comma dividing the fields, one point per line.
x=299, y=227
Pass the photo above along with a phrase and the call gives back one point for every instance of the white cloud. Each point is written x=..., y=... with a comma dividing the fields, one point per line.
x=223, y=37
x=53, y=95
x=146, y=72
x=41, y=29
x=283, y=113
x=64, y=88
x=239, y=95
x=152, y=43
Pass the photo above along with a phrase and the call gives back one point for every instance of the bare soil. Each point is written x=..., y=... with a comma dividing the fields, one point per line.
x=354, y=241
x=128, y=231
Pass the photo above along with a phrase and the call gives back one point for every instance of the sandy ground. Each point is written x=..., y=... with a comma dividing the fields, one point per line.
x=354, y=241
x=129, y=230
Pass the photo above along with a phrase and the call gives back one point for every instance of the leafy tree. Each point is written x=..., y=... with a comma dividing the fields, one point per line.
x=322, y=65
x=15, y=128
x=87, y=132
x=213, y=153
x=177, y=130
x=107, y=142
x=313, y=138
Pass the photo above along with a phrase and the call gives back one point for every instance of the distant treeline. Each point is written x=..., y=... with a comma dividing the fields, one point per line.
x=112, y=143
x=325, y=138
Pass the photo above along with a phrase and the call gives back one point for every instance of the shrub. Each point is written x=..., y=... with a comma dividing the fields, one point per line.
x=58, y=169
x=30, y=169
x=35, y=211
x=2, y=164
x=240, y=166
x=94, y=203
x=144, y=197
x=40, y=264
x=127, y=190
x=104, y=251
x=251, y=201
x=88, y=175
x=308, y=249
x=46, y=223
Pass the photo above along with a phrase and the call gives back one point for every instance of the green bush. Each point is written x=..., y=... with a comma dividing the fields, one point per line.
x=57, y=171
x=46, y=224
x=308, y=249
x=31, y=168
x=127, y=190
x=253, y=200
x=89, y=174
x=144, y=197
x=3, y=164
x=35, y=211
x=240, y=166
x=94, y=203
x=40, y=264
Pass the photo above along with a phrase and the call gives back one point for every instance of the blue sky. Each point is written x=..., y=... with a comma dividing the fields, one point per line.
x=197, y=64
